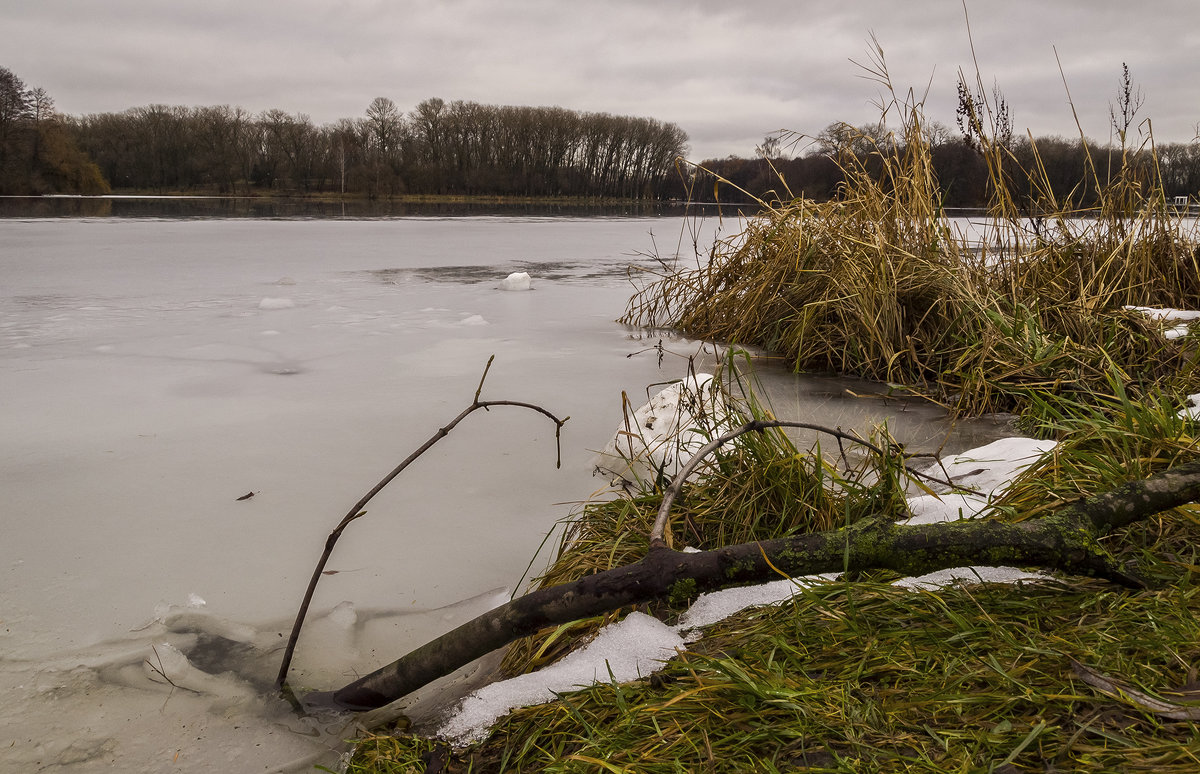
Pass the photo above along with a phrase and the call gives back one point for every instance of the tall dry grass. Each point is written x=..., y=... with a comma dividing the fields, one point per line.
x=877, y=283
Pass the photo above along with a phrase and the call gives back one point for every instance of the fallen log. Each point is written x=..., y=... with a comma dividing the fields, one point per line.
x=1066, y=541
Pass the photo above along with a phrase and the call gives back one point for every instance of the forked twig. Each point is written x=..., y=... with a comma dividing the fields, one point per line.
x=358, y=511
x=159, y=670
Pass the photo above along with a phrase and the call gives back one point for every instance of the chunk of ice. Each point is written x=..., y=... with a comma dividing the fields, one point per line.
x=663, y=435
x=518, y=280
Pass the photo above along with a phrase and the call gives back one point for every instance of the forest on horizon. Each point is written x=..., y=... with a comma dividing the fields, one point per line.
x=1073, y=168
x=470, y=149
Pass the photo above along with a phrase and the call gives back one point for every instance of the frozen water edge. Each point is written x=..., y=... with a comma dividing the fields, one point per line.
x=147, y=387
x=196, y=689
x=145, y=391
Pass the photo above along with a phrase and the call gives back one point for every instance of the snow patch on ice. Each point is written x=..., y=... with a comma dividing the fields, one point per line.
x=1178, y=319
x=942, y=578
x=473, y=320
x=270, y=303
x=716, y=606
x=1178, y=332
x=951, y=506
x=986, y=472
x=664, y=434
x=518, y=280
x=1166, y=315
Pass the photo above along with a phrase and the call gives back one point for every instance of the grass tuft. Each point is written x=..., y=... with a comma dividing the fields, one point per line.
x=877, y=283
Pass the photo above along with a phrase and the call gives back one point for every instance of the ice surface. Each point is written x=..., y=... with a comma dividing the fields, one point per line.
x=145, y=387
x=518, y=280
x=190, y=691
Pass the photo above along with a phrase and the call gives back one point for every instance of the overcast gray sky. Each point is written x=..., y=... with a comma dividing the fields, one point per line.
x=728, y=72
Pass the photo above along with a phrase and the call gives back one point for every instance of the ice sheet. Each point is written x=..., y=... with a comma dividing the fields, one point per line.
x=152, y=373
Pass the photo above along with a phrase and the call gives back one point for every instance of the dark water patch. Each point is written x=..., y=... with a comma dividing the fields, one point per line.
x=216, y=655
x=581, y=272
x=283, y=208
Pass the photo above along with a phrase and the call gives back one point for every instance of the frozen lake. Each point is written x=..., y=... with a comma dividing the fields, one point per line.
x=155, y=370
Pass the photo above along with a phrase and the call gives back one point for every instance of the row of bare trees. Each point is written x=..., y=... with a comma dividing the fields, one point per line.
x=1074, y=168
x=437, y=148
x=984, y=158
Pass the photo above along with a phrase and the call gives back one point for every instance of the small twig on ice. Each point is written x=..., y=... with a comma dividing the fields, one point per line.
x=358, y=511
x=159, y=669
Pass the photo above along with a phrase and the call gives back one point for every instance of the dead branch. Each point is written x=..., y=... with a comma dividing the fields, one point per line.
x=357, y=510
x=1065, y=540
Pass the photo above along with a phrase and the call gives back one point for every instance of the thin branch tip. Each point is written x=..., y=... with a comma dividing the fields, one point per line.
x=359, y=507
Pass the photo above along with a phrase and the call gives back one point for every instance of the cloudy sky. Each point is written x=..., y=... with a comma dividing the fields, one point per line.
x=729, y=71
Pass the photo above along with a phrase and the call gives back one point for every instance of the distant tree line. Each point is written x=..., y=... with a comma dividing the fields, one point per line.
x=445, y=148
x=468, y=148
x=1073, y=167
x=38, y=154
x=984, y=159
x=437, y=148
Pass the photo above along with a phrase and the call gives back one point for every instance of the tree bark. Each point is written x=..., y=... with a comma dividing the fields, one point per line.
x=1065, y=541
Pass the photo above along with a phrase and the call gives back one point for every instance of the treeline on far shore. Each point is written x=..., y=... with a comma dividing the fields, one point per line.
x=439, y=148
x=1075, y=169
x=468, y=149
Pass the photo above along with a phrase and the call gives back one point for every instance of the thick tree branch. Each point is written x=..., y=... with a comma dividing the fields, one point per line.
x=1064, y=541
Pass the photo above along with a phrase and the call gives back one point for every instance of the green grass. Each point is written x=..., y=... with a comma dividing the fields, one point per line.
x=866, y=677
x=861, y=676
